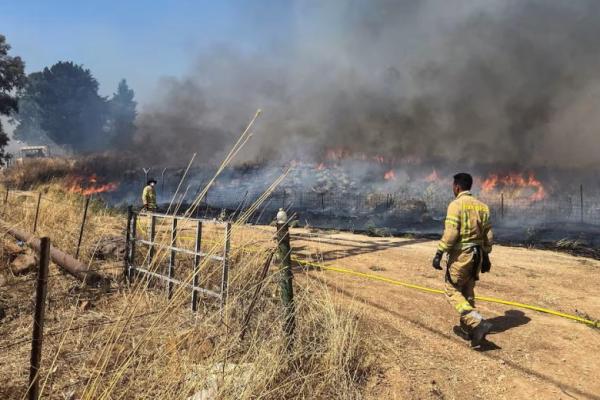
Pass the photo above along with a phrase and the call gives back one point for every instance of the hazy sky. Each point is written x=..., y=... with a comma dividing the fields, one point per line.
x=135, y=39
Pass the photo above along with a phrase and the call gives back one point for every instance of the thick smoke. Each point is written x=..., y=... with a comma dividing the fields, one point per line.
x=510, y=82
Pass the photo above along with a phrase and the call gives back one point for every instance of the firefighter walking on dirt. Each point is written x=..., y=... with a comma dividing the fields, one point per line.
x=149, y=196
x=467, y=239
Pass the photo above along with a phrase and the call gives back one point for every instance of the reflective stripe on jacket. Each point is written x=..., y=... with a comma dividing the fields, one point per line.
x=467, y=224
x=149, y=197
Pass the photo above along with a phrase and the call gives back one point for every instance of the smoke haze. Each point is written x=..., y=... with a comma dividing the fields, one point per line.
x=499, y=82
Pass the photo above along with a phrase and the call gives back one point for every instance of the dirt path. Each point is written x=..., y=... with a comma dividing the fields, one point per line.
x=532, y=355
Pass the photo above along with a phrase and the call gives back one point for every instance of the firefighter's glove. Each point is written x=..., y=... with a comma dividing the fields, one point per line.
x=437, y=260
x=486, y=264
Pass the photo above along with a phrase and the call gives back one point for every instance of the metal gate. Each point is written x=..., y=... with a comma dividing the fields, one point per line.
x=132, y=240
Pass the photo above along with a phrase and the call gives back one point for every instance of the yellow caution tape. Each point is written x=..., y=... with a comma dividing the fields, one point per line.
x=595, y=324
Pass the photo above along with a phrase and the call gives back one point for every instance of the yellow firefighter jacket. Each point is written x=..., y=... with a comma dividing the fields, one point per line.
x=467, y=224
x=149, y=197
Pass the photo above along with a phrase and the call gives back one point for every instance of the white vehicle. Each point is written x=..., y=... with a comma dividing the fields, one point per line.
x=29, y=152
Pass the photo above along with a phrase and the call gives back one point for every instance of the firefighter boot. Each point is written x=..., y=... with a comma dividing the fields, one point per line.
x=479, y=332
x=462, y=331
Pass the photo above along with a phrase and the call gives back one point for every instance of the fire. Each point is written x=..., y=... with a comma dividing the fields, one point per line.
x=390, y=175
x=89, y=185
x=514, y=183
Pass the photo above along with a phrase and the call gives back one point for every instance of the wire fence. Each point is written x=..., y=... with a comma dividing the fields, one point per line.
x=339, y=209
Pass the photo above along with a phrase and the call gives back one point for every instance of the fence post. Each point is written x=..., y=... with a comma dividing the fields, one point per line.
x=197, y=249
x=225, y=277
x=286, y=276
x=85, y=210
x=6, y=201
x=502, y=205
x=133, y=239
x=38, y=320
x=127, y=242
x=37, y=212
x=581, y=201
x=151, y=238
x=322, y=201
x=172, y=258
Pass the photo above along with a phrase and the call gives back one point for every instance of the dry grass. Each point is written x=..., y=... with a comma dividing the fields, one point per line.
x=37, y=171
x=132, y=342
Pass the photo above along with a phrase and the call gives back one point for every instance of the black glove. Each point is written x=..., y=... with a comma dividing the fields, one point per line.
x=486, y=264
x=437, y=260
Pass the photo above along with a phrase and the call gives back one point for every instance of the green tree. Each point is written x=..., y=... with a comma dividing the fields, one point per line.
x=12, y=78
x=122, y=108
x=63, y=102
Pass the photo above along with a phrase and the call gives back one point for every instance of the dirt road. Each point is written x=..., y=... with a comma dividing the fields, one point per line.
x=530, y=355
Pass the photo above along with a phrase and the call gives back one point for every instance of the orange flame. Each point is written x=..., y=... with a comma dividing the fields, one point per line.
x=514, y=183
x=89, y=185
x=390, y=175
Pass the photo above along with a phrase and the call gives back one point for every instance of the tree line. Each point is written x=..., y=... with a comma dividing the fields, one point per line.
x=61, y=105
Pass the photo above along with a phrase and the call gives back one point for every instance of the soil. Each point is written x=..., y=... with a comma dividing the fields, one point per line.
x=529, y=355
x=416, y=353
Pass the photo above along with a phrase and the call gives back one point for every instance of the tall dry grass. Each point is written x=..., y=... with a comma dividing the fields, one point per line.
x=134, y=343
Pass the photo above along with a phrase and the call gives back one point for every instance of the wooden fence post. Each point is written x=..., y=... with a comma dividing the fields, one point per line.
x=38, y=320
x=197, y=258
x=172, y=256
x=5, y=201
x=286, y=276
x=85, y=210
x=37, y=212
x=128, y=243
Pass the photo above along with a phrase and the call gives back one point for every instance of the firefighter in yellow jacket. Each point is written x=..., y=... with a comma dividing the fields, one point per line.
x=149, y=196
x=467, y=239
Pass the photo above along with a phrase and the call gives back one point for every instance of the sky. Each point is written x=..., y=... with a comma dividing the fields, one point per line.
x=141, y=41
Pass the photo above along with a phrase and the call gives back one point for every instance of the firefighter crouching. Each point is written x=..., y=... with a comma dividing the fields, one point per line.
x=467, y=239
x=149, y=196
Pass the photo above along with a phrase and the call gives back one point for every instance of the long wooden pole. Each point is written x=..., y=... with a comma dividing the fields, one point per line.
x=69, y=264
x=38, y=320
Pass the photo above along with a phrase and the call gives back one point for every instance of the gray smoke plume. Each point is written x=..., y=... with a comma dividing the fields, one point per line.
x=510, y=82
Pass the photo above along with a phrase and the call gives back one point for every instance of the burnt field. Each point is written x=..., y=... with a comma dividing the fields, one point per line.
x=370, y=197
